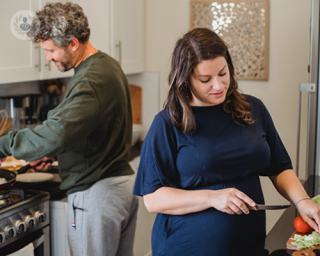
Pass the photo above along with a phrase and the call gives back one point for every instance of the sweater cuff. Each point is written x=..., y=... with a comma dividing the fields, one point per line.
x=5, y=146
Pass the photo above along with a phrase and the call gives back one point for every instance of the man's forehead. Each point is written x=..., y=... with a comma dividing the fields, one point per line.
x=48, y=44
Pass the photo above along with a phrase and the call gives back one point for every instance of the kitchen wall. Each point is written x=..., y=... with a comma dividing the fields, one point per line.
x=168, y=20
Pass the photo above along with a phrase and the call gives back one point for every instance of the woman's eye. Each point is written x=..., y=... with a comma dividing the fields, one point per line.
x=223, y=74
x=205, y=81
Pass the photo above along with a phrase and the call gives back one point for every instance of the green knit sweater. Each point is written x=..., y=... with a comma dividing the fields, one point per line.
x=90, y=130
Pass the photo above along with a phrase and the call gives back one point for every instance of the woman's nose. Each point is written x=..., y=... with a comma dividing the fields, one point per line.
x=217, y=84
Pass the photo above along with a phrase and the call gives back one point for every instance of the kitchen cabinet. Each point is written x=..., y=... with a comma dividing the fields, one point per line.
x=48, y=69
x=22, y=60
x=117, y=28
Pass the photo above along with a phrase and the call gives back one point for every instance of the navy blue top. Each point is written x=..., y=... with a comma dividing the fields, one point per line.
x=219, y=154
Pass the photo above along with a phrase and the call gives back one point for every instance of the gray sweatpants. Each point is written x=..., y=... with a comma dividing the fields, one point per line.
x=102, y=219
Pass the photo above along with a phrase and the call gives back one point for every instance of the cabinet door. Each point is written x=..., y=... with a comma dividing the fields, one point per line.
x=48, y=69
x=127, y=34
x=19, y=58
x=98, y=14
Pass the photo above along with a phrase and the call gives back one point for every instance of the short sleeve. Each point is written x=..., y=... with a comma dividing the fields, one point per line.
x=157, y=166
x=279, y=159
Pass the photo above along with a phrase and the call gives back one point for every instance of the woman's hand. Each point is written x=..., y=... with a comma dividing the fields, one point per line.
x=310, y=212
x=2, y=160
x=43, y=166
x=231, y=201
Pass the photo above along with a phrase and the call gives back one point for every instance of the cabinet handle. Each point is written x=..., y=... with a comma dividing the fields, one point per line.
x=48, y=65
x=39, y=65
x=119, y=45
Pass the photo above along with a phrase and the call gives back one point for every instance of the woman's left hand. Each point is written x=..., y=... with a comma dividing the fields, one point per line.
x=310, y=212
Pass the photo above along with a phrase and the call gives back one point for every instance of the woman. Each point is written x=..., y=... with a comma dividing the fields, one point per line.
x=202, y=157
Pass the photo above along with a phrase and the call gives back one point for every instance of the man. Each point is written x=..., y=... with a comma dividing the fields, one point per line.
x=90, y=132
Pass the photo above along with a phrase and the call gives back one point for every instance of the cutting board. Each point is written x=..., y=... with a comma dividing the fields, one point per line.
x=136, y=103
x=313, y=251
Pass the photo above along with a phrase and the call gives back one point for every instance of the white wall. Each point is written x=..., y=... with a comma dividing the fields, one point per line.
x=168, y=20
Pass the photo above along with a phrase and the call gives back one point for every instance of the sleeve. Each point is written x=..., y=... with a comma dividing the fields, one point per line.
x=67, y=125
x=157, y=166
x=279, y=157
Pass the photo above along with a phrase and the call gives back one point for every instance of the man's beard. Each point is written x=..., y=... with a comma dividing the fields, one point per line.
x=66, y=62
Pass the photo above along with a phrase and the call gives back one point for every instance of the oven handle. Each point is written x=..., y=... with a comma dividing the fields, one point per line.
x=38, y=242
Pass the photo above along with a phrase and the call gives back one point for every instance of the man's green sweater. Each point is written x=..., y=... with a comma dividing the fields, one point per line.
x=90, y=130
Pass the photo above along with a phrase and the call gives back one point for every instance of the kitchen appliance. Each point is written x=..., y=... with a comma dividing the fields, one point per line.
x=24, y=216
x=17, y=112
x=313, y=126
x=31, y=111
x=24, y=219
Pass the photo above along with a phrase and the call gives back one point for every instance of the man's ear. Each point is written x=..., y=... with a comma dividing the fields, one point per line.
x=74, y=44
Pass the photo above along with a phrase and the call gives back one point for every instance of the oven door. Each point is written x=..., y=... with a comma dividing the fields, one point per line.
x=39, y=238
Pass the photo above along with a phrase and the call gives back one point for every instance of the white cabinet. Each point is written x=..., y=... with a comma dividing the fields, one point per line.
x=18, y=57
x=58, y=227
x=117, y=28
x=127, y=34
x=22, y=60
x=48, y=69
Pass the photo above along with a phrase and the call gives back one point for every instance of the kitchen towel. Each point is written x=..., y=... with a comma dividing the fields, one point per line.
x=25, y=251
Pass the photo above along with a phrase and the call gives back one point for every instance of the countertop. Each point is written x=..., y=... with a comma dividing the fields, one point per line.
x=277, y=238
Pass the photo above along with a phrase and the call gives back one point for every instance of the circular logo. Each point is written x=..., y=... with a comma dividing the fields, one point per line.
x=20, y=24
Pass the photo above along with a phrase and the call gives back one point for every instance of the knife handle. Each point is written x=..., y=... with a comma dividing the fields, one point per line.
x=255, y=208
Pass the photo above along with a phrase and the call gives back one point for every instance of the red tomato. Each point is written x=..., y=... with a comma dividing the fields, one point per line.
x=301, y=226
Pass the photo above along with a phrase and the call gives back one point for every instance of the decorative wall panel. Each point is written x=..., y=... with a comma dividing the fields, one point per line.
x=244, y=26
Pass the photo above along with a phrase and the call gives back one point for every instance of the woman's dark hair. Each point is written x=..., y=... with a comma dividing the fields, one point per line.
x=197, y=45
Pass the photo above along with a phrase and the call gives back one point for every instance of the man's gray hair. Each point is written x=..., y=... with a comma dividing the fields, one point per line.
x=61, y=23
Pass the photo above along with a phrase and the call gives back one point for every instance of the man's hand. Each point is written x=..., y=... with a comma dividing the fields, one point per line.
x=44, y=166
x=2, y=160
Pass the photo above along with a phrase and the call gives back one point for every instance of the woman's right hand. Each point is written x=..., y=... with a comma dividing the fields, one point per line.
x=231, y=201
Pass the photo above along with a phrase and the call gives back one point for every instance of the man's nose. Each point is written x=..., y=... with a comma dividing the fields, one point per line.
x=48, y=56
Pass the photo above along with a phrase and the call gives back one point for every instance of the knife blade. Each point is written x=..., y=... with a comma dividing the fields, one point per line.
x=269, y=207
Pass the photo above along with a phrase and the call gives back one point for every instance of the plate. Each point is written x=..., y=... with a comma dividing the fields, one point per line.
x=34, y=177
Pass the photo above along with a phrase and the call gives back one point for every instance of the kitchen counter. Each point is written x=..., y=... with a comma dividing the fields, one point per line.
x=277, y=238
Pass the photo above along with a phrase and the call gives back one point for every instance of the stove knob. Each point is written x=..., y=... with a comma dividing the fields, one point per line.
x=10, y=231
x=40, y=217
x=30, y=221
x=2, y=237
x=21, y=226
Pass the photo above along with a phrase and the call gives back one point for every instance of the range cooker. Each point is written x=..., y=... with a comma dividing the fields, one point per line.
x=24, y=219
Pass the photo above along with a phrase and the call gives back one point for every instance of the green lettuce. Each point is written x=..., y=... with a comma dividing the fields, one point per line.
x=316, y=199
x=303, y=242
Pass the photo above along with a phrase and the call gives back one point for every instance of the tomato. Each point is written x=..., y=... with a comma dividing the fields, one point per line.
x=301, y=226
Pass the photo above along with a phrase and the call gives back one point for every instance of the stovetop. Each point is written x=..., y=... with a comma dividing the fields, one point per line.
x=22, y=212
x=11, y=196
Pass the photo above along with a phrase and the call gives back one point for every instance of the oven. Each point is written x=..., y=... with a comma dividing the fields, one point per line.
x=24, y=221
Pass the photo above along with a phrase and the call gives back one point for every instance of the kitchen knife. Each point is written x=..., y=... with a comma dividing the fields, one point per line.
x=269, y=207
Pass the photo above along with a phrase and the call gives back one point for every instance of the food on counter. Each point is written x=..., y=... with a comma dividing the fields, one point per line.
x=316, y=199
x=301, y=226
x=2, y=181
x=306, y=241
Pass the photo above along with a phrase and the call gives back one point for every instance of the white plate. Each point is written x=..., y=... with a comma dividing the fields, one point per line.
x=34, y=177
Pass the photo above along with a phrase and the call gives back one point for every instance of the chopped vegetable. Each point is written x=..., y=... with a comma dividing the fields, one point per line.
x=316, y=199
x=307, y=241
x=2, y=181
